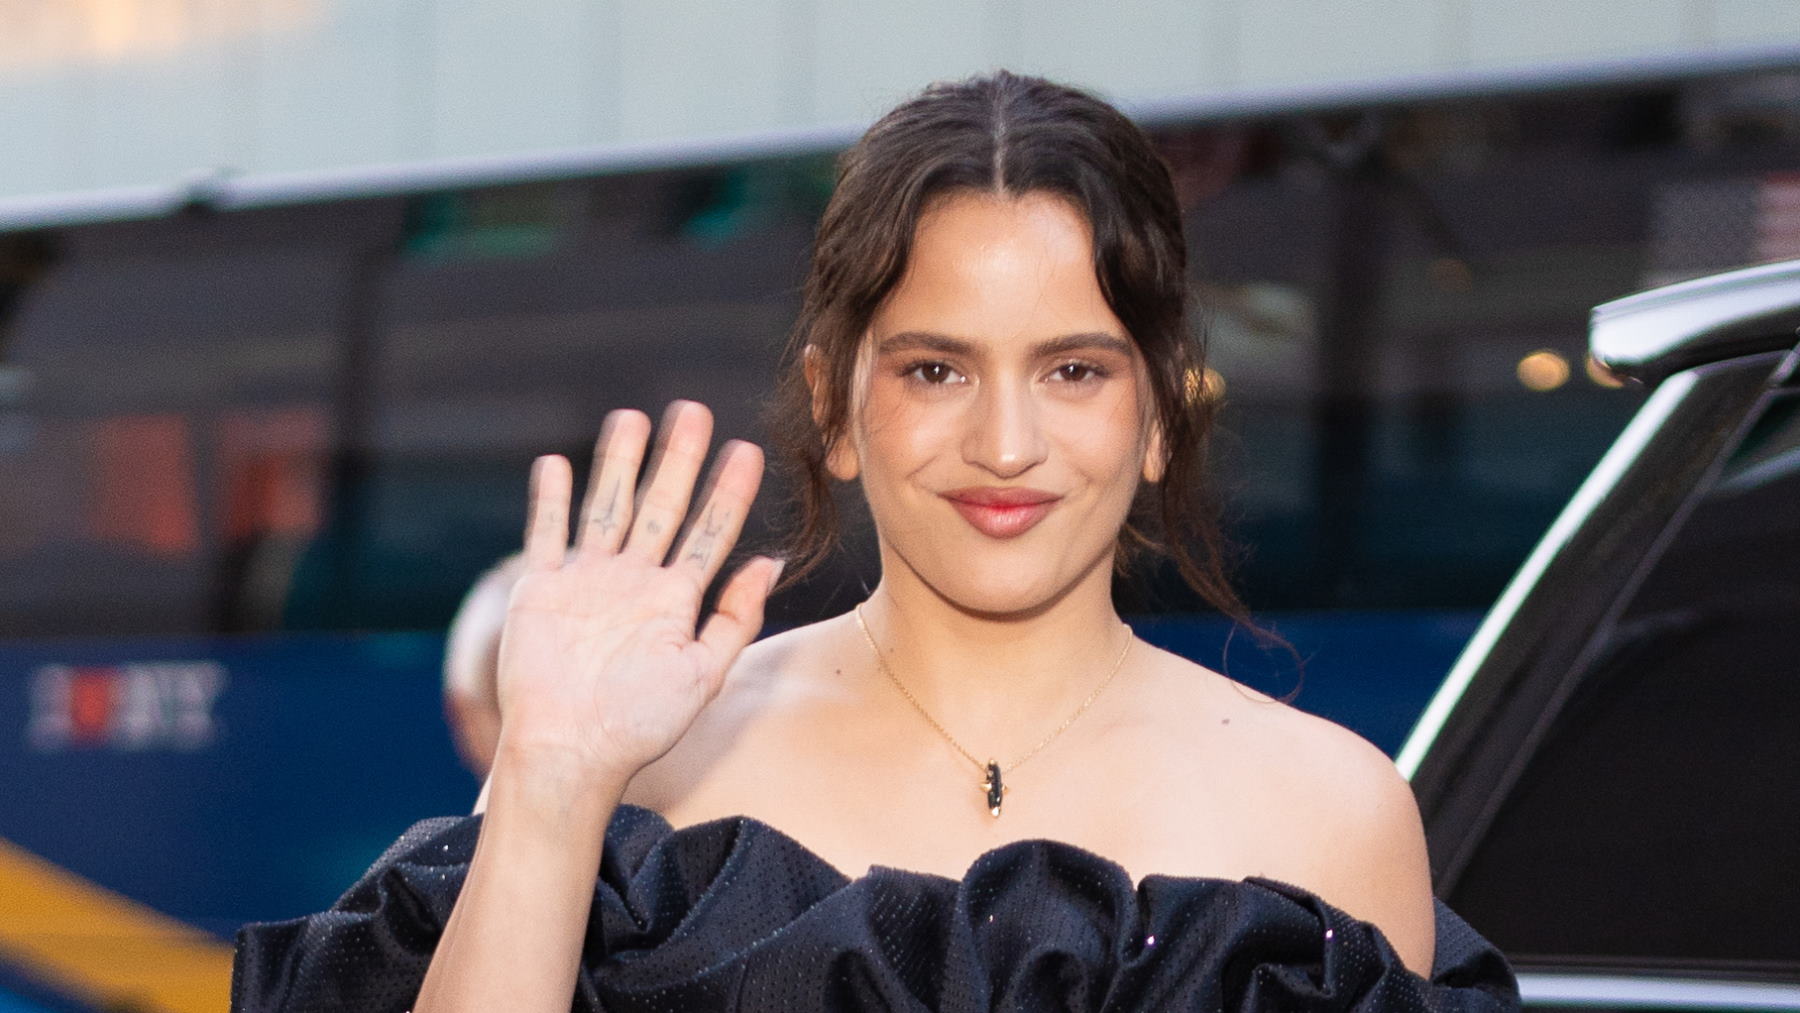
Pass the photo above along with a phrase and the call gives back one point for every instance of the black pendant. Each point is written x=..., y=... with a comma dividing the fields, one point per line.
x=995, y=790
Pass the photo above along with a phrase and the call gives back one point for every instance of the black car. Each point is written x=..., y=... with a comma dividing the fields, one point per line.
x=1610, y=775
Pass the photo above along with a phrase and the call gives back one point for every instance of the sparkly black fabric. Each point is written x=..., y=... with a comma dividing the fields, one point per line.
x=734, y=915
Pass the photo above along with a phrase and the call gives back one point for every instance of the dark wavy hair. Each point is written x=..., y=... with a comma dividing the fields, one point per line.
x=1011, y=135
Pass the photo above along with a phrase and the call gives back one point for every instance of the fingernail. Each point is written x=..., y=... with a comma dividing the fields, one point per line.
x=775, y=574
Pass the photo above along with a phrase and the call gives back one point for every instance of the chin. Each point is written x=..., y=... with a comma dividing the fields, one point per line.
x=995, y=602
x=984, y=588
x=992, y=577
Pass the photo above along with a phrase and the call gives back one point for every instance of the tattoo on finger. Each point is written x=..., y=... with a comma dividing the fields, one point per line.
x=705, y=537
x=608, y=520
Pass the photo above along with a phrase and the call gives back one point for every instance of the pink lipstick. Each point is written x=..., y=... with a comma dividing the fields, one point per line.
x=1001, y=512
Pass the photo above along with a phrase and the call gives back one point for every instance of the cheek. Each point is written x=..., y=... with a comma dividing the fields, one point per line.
x=1106, y=442
x=900, y=434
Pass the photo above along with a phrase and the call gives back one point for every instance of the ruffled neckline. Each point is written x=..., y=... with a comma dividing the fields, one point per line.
x=639, y=819
x=733, y=914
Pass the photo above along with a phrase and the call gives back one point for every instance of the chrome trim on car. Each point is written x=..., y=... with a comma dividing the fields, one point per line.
x=1657, y=332
x=1613, y=991
x=1624, y=452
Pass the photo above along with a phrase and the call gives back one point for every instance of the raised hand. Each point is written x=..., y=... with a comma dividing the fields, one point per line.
x=604, y=659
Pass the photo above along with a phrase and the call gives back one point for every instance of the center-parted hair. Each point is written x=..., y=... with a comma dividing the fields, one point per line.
x=1010, y=135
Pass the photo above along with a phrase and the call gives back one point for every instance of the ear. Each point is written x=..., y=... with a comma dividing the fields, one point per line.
x=840, y=455
x=1156, y=455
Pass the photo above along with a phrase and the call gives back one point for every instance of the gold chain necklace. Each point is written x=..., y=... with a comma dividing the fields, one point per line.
x=993, y=786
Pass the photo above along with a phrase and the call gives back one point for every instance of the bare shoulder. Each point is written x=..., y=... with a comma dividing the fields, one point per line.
x=793, y=669
x=775, y=687
x=1335, y=815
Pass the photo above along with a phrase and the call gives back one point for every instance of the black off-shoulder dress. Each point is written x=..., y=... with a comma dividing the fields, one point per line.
x=735, y=915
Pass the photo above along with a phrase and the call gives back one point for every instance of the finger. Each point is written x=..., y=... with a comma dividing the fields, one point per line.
x=739, y=616
x=724, y=504
x=547, y=513
x=680, y=450
x=618, y=453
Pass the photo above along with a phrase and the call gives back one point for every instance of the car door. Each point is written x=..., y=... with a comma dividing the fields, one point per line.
x=1611, y=776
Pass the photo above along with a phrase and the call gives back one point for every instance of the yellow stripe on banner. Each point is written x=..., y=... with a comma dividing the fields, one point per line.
x=102, y=946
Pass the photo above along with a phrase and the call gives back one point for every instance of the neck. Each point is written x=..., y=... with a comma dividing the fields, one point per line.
x=998, y=679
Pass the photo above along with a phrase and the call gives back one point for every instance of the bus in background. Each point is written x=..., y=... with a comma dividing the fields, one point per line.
x=254, y=448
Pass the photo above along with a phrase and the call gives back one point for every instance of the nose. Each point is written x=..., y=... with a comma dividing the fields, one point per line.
x=1004, y=435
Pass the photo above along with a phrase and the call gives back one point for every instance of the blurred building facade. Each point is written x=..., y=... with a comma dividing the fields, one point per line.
x=122, y=94
x=292, y=291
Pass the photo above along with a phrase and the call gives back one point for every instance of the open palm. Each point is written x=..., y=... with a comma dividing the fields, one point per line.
x=604, y=657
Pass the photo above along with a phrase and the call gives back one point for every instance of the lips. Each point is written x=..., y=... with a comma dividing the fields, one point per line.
x=1002, y=512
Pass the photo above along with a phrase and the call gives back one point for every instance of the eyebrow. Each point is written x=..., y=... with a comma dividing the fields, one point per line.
x=909, y=341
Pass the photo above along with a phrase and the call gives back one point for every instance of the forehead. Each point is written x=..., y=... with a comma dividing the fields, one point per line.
x=998, y=269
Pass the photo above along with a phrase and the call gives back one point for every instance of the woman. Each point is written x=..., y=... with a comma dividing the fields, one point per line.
x=977, y=790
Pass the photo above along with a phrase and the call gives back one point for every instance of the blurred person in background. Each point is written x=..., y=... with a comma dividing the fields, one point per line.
x=471, y=664
x=995, y=345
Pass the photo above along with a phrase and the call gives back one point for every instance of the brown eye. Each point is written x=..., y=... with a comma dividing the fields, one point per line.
x=1077, y=372
x=932, y=372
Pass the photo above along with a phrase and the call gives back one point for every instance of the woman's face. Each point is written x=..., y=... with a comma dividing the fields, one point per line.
x=1002, y=427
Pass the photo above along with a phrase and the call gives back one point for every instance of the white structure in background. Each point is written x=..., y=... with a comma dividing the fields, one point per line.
x=135, y=99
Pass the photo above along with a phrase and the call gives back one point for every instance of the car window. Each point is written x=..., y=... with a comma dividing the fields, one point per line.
x=1657, y=824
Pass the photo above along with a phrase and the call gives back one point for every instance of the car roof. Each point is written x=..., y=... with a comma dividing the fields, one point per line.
x=1651, y=335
